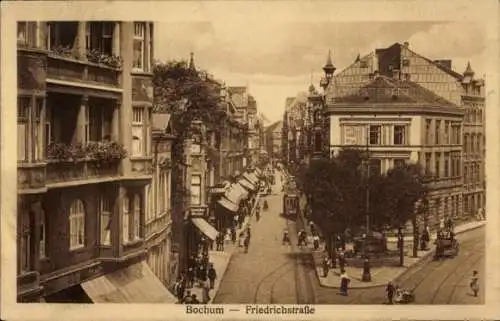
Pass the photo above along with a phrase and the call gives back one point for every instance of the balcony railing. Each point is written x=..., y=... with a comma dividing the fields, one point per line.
x=80, y=170
x=70, y=69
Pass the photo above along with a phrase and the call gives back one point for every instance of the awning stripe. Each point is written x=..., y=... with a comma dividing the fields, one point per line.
x=247, y=184
x=133, y=284
x=228, y=204
x=205, y=227
x=242, y=191
x=250, y=178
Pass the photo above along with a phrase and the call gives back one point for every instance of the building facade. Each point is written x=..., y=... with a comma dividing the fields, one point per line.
x=273, y=138
x=434, y=133
x=158, y=222
x=84, y=157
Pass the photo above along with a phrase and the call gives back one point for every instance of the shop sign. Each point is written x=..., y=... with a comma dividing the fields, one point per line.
x=198, y=211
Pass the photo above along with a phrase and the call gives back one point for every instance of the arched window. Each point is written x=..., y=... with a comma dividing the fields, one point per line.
x=76, y=225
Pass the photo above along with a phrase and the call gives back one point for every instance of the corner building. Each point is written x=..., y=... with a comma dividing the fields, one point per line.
x=402, y=107
x=84, y=158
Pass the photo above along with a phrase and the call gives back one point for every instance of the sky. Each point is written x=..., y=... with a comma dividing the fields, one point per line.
x=278, y=59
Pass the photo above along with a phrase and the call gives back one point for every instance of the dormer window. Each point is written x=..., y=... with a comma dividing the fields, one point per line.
x=363, y=64
x=406, y=62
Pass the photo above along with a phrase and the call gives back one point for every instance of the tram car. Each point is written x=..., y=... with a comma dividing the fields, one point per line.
x=446, y=247
x=291, y=204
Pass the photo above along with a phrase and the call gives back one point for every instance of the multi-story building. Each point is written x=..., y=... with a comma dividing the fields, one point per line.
x=158, y=218
x=296, y=111
x=84, y=160
x=403, y=106
x=273, y=138
x=473, y=135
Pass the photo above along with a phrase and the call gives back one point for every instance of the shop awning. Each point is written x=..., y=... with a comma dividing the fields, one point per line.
x=251, y=179
x=246, y=184
x=228, y=204
x=241, y=190
x=258, y=171
x=205, y=227
x=254, y=177
x=133, y=284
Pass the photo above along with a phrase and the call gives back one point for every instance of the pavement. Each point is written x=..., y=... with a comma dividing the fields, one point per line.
x=380, y=275
x=221, y=259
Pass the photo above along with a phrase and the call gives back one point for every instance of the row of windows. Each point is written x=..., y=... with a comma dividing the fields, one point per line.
x=472, y=173
x=399, y=136
x=445, y=132
x=473, y=143
x=77, y=221
x=34, y=136
x=473, y=116
x=445, y=164
x=98, y=36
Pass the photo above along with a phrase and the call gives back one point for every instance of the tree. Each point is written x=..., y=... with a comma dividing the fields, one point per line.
x=194, y=105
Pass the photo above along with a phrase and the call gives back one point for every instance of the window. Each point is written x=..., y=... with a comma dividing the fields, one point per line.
x=137, y=131
x=196, y=189
x=453, y=164
x=399, y=163
x=446, y=164
x=437, y=168
x=428, y=157
x=406, y=62
x=38, y=130
x=126, y=219
x=23, y=115
x=472, y=144
x=76, y=225
x=139, y=48
x=100, y=36
x=318, y=144
x=26, y=241
x=466, y=144
x=105, y=213
x=375, y=135
x=466, y=174
x=466, y=204
x=428, y=133
x=478, y=144
x=61, y=34
x=399, y=135
x=480, y=117
x=375, y=167
x=437, y=132
x=27, y=34
x=98, y=122
x=447, y=132
x=43, y=235
x=150, y=213
x=137, y=217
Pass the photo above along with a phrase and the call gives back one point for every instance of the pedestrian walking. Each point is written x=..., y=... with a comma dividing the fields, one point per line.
x=241, y=239
x=344, y=282
x=326, y=265
x=190, y=277
x=474, y=283
x=233, y=235
x=246, y=243
x=286, y=239
x=187, y=298
x=206, y=292
x=212, y=275
x=316, y=242
x=202, y=274
x=341, y=257
x=311, y=226
x=178, y=290
x=390, y=292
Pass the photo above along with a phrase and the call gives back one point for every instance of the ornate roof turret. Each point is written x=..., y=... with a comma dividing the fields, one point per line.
x=191, y=62
x=468, y=71
x=329, y=68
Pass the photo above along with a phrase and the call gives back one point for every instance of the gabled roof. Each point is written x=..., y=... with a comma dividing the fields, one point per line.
x=273, y=126
x=389, y=90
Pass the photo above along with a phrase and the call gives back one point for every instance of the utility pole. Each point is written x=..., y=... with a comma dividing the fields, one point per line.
x=367, y=184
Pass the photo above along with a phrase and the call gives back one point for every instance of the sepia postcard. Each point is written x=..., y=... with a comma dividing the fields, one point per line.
x=234, y=160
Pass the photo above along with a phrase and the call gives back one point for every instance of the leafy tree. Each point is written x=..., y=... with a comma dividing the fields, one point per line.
x=336, y=191
x=194, y=105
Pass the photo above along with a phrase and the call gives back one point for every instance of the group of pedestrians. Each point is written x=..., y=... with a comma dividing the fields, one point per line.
x=200, y=273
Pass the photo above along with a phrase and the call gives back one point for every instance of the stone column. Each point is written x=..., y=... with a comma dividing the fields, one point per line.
x=80, y=135
x=115, y=122
x=116, y=39
x=117, y=224
x=125, y=114
x=147, y=51
x=81, y=38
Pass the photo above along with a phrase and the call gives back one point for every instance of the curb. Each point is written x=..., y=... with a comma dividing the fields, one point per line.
x=424, y=259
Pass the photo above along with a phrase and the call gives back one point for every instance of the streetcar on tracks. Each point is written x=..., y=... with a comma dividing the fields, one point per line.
x=291, y=204
x=446, y=247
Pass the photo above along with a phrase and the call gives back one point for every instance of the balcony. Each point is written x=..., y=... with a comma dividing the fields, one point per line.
x=65, y=68
x=28, y=285
x=81, y=170
x=141, y=166
x=31, y=176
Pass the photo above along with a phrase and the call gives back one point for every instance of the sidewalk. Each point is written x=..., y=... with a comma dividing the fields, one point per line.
x=220, y=259
x=380, y=275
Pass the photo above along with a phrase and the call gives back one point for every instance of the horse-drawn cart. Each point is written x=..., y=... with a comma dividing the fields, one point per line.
x=446, y=247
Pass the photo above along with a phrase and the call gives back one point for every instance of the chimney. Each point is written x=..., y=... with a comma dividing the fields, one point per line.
x=406, y=44
x=396, y=74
